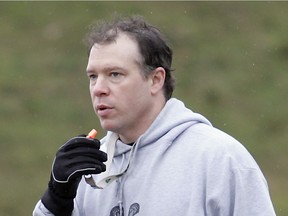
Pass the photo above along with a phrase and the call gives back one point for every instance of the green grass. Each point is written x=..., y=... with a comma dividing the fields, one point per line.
x=230, y=64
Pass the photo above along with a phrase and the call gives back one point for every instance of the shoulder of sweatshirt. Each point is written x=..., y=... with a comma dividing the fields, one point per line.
x=210, y=142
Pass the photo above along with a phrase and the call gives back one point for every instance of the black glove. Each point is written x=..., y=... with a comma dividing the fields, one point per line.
x=78, y=156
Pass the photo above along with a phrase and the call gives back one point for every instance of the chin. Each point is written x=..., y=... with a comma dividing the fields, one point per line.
x=109, y=127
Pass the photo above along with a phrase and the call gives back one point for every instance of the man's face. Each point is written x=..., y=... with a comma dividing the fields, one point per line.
x=121, y=96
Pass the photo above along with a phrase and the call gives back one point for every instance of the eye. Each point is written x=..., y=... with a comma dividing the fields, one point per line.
x=115, y=74
x=92, y=76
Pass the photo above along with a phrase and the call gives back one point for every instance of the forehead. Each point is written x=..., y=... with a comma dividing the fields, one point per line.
x=123, y=50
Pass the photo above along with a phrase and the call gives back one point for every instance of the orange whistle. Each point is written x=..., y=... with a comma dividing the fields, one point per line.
x=92, y=134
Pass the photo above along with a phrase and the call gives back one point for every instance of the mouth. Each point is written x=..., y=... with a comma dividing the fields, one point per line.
x=103, y=109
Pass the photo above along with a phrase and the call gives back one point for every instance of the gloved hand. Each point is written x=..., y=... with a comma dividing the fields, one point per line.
x=78, y=156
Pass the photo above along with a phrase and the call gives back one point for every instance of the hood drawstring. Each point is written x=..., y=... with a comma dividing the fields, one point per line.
x=121, y=180
x=120, y=187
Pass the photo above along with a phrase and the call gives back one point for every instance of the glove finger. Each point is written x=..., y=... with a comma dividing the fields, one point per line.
x=82, y=151
x=85, y=169
x=82, y=161
x=63, y=161
x=92, y=153
x=98, y=169
x=80, y=141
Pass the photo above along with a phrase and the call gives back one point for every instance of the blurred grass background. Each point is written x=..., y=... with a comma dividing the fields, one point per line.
x=230, y=64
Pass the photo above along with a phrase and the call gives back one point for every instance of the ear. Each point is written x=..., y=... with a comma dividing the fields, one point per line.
x=157, y=80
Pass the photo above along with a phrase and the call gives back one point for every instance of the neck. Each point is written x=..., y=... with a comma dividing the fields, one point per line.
x=130, y=135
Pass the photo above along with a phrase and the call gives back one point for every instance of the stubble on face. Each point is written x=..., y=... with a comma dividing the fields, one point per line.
x=130, y=98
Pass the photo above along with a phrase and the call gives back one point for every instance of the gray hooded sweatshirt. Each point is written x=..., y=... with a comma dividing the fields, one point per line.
x=181, y=166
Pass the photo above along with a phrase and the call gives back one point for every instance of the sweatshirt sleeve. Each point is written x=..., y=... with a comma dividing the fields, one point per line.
x=238, y=188
x=251, y=193
x=41, y=210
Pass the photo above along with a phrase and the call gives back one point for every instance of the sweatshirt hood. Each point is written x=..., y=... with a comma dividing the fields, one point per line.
x=174, y=118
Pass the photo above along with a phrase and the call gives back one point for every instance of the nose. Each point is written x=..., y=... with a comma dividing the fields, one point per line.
x=99, y=87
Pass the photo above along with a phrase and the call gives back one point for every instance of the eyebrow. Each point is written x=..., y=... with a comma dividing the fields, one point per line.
x=105, y=69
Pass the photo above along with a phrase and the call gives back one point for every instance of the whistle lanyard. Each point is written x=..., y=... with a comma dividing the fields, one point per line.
x=105, y=178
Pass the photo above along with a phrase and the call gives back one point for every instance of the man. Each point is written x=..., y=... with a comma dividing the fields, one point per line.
x=162, y=158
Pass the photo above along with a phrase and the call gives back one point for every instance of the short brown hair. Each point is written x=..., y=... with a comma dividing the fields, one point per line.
x=152, y=44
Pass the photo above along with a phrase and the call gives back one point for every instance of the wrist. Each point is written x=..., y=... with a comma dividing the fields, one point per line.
x=63, y=190
x=59, y=197
x=57, y=205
